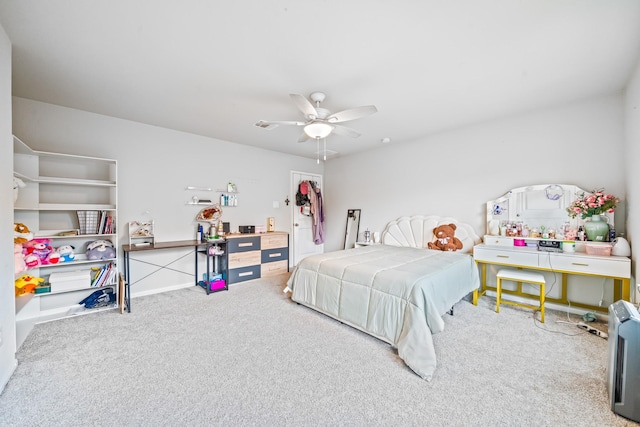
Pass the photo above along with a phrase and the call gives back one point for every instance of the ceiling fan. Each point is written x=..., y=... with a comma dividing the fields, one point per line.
x=320, y=122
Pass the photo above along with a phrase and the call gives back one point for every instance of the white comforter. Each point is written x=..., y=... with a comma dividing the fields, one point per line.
x=397, y=294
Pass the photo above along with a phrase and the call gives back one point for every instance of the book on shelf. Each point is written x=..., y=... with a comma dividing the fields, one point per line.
x=104, y=275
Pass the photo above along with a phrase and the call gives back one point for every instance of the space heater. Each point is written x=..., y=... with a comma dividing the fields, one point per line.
x=623, y=368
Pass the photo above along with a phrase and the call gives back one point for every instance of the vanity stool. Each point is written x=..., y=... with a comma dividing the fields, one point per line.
x=524, y=277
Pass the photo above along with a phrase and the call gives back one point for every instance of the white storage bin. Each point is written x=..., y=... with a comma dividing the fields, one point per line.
x=69, y=281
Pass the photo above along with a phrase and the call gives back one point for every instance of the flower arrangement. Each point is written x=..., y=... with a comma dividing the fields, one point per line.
x=595, y=203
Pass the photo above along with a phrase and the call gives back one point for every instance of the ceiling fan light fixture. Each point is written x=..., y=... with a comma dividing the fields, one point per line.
x=318, y=130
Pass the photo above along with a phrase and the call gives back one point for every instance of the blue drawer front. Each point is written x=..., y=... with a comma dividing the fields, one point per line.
x=276, y=254
x=243, y=244
x=245, y=273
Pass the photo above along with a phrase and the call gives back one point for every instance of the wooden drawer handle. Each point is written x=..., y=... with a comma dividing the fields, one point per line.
x=248, y=273
x=580, y=264
x=275, y=255
x=503, y=256
x=244, y=245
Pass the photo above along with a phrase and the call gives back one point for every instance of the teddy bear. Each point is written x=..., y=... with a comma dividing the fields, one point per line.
x=445, y=238
x=21, y=233
x=100, y=249
x=26, y=283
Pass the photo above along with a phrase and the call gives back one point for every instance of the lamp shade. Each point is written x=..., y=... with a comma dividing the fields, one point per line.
x=318, y=130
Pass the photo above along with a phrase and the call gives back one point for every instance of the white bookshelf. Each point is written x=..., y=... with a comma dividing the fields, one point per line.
x=57, y=186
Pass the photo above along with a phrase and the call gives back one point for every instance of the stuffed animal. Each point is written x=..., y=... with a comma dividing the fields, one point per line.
x=26, y=283
x=52, y=258
x=32, y=261
x=19, y=266
x=445, y=238
x=40, y=248
x=100, y=249
x=66, y=253
x=21, y=233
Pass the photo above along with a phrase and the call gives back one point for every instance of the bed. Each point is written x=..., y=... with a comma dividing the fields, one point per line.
x=397, y=291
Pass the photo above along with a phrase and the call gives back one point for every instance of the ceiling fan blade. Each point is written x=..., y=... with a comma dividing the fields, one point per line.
x=264, y=124
x=343, y=130
x=305, y=106
x=352, y=114
x=303, y=137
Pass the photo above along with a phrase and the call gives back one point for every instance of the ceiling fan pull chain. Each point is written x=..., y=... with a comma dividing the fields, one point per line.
x=325, y=149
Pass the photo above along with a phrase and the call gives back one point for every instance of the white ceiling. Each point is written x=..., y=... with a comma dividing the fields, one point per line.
x=214, y=68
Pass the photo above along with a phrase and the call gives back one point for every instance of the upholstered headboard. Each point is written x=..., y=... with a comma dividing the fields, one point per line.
x=416, y=231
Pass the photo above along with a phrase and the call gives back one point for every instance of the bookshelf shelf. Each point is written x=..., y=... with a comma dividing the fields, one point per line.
x=60, y=190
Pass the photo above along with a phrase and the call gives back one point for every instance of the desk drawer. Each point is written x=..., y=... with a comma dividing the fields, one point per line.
x=498, y=241
x=494, y=254
x=243, y=259
x=278, y=254
x=598, y=266
x=271, y=241
x=245, y=273
x=243, y=244
x=274, y=268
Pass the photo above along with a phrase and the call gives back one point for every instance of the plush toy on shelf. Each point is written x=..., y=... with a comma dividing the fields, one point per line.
x=445, y=238
x=27, y=284
x=66, y=253
x=21, y=233
x=42, y=249
x=100, y=249
x=19, y=266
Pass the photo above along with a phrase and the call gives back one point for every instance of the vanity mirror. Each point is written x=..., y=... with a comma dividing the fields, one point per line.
x=538, y=207
x=352, y=229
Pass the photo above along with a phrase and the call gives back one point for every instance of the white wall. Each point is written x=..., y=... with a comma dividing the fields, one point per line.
x=155, y=165
x=632, y=154
x=454, y=173
x=7, y=306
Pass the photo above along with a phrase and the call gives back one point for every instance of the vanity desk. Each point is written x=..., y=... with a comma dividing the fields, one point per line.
x=534, y=206
x=577, y=263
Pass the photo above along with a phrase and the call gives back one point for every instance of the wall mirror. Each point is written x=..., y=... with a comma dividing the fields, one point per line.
x=352, y=229
x=535, y=205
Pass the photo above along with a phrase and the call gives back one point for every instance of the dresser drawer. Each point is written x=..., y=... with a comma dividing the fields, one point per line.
x=243, y=244
x=245, y=273
x=243, y=259
x=498, y=241
x=271, y=241
x=578, y=263
x=278, y=254
x=496, y=254
x=274, y=268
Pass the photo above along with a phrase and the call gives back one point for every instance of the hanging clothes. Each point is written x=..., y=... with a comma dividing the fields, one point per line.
x=317, y=212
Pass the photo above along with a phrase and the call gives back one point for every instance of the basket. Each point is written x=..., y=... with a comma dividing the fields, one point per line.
x=600, y=250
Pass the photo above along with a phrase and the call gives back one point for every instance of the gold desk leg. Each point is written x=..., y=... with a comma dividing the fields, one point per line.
x=565, y=286
x=483, y=283
x=621, y=289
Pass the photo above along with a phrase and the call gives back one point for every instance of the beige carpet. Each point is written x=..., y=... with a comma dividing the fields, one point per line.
x=250, y=356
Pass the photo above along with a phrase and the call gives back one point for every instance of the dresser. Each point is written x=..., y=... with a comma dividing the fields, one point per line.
x=575, y=263
x=252, y=256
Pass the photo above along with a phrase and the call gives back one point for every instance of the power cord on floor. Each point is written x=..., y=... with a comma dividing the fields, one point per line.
x=582, y=331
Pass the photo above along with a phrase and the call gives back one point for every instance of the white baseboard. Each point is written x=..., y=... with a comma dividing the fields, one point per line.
x=550, y=305
x=163, y=289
